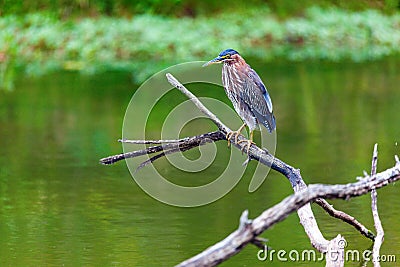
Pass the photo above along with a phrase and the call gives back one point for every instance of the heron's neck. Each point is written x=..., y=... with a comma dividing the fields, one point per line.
x=238, y=63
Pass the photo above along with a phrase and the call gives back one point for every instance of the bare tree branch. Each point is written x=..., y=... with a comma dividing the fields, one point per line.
x=188, y=142
x=194, y=141
x=374, y=206
x=174, y=82
x=235, y=242
x=306, y=215
x=304, y=211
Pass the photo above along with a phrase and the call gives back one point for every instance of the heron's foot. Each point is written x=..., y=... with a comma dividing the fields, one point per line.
x=249, y=143
x=232, y=134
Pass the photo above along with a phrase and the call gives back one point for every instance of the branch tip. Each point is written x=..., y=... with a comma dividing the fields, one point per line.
x=375, y=154
x=244, y=220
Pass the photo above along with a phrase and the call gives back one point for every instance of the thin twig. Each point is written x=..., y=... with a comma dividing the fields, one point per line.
x=374, y=163
x=151, y=142
x=374, y=206
x=345, y=217
x=115, y=158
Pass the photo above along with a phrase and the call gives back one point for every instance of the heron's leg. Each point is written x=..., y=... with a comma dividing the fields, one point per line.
x=234, y=133
x=249, y=142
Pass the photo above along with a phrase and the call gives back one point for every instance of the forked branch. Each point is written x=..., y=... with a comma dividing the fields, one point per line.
x=300, y=201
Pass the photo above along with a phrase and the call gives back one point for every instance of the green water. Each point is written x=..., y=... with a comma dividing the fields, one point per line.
x=59, y=206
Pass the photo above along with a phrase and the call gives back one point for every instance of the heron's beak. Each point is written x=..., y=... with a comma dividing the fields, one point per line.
x=214, y=61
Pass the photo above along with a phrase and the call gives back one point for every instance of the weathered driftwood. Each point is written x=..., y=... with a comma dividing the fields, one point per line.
x=248, y=229
x=300, y=201
x=374, y=207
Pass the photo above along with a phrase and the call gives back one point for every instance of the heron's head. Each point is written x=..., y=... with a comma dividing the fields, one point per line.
x=225, y=56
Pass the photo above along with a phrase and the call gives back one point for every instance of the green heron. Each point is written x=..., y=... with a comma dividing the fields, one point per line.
x=247, y=93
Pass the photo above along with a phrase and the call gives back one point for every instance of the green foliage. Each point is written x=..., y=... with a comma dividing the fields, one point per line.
x=144, y=44
x=179, y=8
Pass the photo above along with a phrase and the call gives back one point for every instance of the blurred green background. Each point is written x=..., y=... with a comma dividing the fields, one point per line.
x=69, y=68
x=39, y=37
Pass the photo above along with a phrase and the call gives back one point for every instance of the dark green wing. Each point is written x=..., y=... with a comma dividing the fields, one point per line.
x=256, y=96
